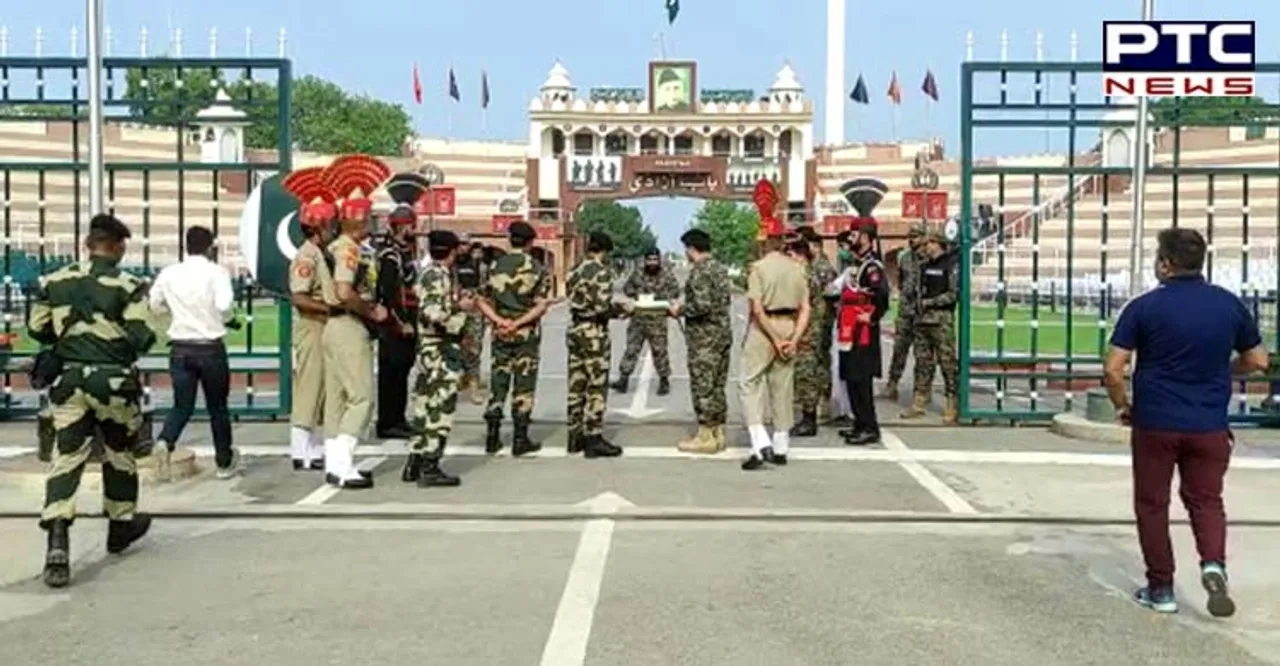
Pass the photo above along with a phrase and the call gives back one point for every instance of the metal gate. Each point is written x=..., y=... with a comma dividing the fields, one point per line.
x=158, y=120
x=1045, y=239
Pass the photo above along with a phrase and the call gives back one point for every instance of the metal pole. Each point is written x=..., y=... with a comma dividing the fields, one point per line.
x=1139, y=181
x=93, y=35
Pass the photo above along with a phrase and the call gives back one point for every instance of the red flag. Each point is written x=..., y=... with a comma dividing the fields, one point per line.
x=417, y=85
x=895, y=90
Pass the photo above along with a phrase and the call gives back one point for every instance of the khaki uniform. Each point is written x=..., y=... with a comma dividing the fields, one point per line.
x=309, y=276
x=348, y=347
x=780, y=285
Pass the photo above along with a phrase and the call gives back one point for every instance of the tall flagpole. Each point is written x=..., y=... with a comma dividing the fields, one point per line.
x=93, y=34
x=1139, y=182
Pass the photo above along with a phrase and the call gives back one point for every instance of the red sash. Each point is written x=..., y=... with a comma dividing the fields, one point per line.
x=850, y=332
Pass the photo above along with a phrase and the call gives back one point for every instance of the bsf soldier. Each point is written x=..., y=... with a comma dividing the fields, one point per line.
x=708, y=337
x=470, y=271
x=514, y=299
x=442, y=318
x=589, y=291
x=904, y=326
x=308, y=281
x=864, y=298
x=397, y=337
x=813, y=356
x=348, y=347
x=778, y=295
x=94, y=318
x=935, y=330
x=648, y=327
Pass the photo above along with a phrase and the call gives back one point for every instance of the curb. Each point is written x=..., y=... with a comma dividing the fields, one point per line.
x=1077, y=427
x=182, y=465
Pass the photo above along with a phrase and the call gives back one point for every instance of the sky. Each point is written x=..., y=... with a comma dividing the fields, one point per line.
x=371, y=47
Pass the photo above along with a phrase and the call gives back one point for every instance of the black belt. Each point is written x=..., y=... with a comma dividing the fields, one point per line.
x=196, y=343
x=782, y=312
x=599, y=319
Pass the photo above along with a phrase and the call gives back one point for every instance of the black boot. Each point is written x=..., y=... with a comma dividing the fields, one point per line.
x=122, y=533
x=492, y=442
x=412, y=468
x=434, y=477
x=807, y=426
x=621, y=385
x=664, y=386
x=57, y=557
x=575, y=443
x=864, y=438
x=597, y=446
x=520, y=442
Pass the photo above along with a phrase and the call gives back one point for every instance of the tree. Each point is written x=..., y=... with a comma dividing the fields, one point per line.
x=1171, y=112
x=324, y=118
x=41, y=110
x=732, y=228
x=631, y=236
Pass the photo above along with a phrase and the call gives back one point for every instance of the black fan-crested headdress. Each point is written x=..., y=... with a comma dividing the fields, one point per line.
x=407, y=187
x=864, y=194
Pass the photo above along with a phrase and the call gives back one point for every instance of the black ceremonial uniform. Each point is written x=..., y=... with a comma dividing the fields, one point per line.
x=863, y=287
x=396, y=349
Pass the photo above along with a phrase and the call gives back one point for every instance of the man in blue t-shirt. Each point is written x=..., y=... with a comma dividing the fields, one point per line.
x=1183, y=333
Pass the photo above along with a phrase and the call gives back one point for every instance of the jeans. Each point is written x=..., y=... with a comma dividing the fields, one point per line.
x=204, y=365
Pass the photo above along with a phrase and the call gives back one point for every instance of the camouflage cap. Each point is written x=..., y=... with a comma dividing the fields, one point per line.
x=918, y=230
x=936, y=236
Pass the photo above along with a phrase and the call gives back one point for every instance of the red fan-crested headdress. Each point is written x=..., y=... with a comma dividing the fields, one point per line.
x=354, y=178
x=766, y=199
x=317, y=201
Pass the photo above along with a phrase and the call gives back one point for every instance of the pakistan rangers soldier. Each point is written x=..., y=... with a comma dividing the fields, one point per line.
x=648, y=327
x=397, y=337
x=442, y=318
x=589, y=291
x=904, y=327
x=308, y=279
x=708, y=337
x=935, y=330
x=813, y=356
x=514, y=299
x=93, y=317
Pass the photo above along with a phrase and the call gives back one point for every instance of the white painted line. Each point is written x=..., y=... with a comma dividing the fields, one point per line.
x=326, y=492
x=949, y=498
x=639, y=408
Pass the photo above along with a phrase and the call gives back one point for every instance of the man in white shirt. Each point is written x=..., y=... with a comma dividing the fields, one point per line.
x=197, y=293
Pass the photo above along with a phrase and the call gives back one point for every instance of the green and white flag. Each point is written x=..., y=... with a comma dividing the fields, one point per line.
x=270, y=234
x=673, y=10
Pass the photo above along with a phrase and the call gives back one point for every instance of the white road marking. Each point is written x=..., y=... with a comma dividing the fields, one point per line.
x=949, y=498
x=571, y=629
x=326, y=492
x=639, y=408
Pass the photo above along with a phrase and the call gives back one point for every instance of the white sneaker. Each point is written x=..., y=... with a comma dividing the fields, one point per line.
x=232, y=470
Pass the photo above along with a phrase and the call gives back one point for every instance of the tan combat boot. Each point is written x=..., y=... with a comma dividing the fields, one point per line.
x=703, y=442
x=890, y=392
x=950, y=414
x=721, y=442
x=917, y=408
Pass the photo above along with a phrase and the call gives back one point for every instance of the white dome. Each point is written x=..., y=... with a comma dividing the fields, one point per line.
x=558, y=78
x=221, y=111
x=786, y=80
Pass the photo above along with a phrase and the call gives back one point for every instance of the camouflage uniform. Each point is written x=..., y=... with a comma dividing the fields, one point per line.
x=589, y=290
x=515, y=286
x=440, y=363
x=708, y=337
x=469, y=277
x=813, y=360
x=649, y=326
x=904, y=326
x=96, y=319
x=935, y=330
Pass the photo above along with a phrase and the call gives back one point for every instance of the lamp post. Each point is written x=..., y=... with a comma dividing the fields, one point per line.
x=93, y=35
x=434, y=176
x=1139, y=181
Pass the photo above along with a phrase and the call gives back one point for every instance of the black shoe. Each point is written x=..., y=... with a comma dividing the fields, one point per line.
x=575, y=443
x=122, y=533
x=773, y=458
x=753, y=463
x=621, y=385
x=412, y=468
x=807, y=426
x=520, y=442
x=599, y=447
x=664, y=386
x=396, y=432
x=864, y=439
x=299, y=465
x=850, y=433
x=316, y=465
x=434, y=477
x=492, y=441
x=57, y=557
x=841, y=421
x=362, y=483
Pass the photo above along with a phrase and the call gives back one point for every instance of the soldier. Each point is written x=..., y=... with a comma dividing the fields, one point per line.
x=442, y=318
x=348, y=347
x=904, y=326
x=648, y=326
x=813, y=357
x=778, y=295
x=94, y=317
x=864, y=299
x=935, y=330
x=470, y=271
x=708, y=337
x=397, y=337
x=308, y=279
x=590, y=295
x=514, y=299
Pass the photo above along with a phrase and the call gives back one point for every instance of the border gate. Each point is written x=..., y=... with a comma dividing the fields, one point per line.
x=1043, y=280
x=44, y=209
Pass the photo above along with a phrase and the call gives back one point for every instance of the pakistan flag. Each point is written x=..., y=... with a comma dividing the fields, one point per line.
x=270, y=234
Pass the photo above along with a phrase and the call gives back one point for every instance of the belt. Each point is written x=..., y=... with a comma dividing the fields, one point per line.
x=196, y=343
x=782, y=312
x=603, y=320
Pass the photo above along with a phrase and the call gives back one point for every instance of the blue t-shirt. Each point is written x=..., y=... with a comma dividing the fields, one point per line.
x=1183, y=333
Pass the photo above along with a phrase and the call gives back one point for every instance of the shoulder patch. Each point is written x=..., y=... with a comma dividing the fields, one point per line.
x=873, y=276
x=305, y=269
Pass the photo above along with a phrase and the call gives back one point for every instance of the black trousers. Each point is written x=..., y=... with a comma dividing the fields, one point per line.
x=862, y=402
x=203, y=365
x=395, y=359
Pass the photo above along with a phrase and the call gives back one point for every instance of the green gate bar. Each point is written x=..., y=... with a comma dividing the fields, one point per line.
x=21, y=267
x=1006, y=378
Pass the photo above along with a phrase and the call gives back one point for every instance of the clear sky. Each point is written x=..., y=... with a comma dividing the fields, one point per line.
x=371, y=47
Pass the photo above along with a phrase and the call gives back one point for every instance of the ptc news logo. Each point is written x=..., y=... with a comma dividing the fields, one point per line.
x=1178, y=58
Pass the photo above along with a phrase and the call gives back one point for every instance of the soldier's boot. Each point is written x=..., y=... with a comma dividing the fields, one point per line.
x=721, y=442
x=664, y=386
x=596, y=446
x=412, y=468
x=621, y=385
x=950, y=413
x=807, y=426
x=576, y=441
x=520, y=442
x=477, y=391
x=703, y=442
x=434, y=477
x=122, y=533
x=917, y=408
x=492, y=436
x=890, y=391
x=57, y=557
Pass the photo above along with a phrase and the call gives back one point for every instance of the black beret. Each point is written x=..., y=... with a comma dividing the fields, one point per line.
x=442, y=238
x=521, y=230
x=652, y=252
x=599, y=241
x=109, y=225
x=808, y=234
x=693, y=236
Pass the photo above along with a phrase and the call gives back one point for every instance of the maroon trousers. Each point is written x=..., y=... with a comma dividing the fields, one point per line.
x=1201, y=460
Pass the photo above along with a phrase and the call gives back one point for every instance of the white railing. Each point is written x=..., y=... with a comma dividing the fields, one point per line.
x=1049, y=209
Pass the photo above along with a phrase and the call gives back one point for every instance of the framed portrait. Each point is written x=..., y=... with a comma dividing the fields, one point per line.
x=673, y=87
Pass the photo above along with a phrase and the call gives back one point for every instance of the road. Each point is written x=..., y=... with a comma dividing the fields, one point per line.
x=946, y=546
